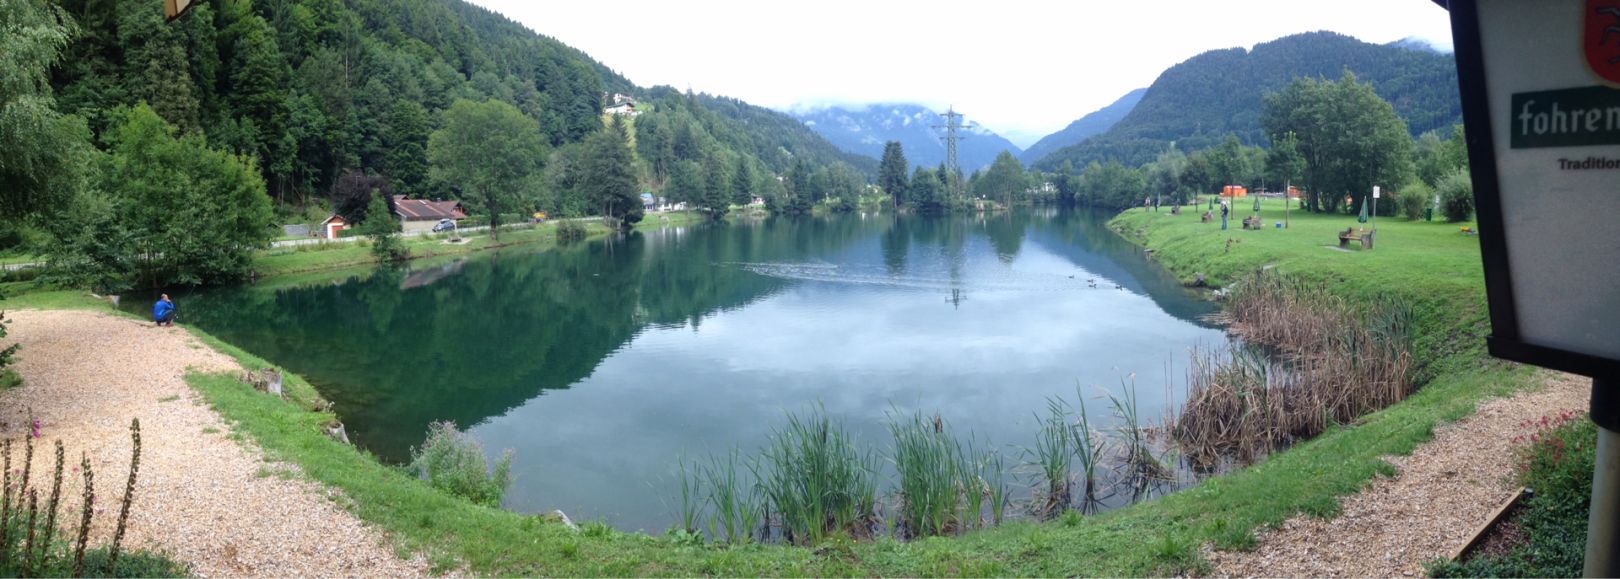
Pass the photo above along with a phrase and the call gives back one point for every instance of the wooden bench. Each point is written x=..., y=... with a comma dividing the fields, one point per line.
x=1365, y=236
x=1252, y=222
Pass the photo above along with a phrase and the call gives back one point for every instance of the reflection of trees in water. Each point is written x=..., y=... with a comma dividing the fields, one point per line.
x=396, y=350
x=395, y=356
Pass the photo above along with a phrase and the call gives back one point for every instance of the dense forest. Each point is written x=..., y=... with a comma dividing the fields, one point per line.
x=325, y=101
x=313, y=88
x=1197, y=103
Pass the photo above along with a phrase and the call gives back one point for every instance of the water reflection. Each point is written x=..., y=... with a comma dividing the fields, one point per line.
x=601, y=363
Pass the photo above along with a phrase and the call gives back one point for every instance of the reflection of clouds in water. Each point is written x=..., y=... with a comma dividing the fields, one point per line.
x=1018, y=281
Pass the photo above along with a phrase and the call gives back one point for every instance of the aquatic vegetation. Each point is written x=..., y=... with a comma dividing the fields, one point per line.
x=1089, y=446
x=817, y=480
x=734, y=506
x=1141, y=467
x=1332, y=364
x=1052, y=457
x=930, y=466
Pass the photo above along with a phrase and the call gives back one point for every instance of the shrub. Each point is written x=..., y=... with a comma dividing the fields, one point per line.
x=570, y=231
x=1413, y=199
x=6, y=352
x=1558, y=465
x=383, y=231
x=1456, y=196
x=451, y=461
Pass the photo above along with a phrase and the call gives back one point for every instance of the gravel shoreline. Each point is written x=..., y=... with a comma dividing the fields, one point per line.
x=1443, y=491
x=202, y=497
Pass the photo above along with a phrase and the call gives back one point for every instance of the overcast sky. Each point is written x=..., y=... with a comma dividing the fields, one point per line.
x=1022, y=68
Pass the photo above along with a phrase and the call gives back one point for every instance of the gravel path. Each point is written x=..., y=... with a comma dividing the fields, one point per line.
x=202, y=497
x=1444, y=490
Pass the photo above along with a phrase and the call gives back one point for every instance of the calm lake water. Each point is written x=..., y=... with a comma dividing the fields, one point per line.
x=602, y=363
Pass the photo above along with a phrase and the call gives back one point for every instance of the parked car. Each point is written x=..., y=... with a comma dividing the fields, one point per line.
x=444, y=225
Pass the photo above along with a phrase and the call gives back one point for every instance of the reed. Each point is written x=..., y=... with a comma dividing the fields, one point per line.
x=995, y=476
x=1052, y=457
x=1089, y=446
x=733, y=504
x=932, y=473
x=816, y=480
x=689, y=480
x=1141, y=466
x=1333, y=363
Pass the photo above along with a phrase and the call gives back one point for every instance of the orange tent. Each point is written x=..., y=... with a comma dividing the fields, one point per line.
x=1234, y=191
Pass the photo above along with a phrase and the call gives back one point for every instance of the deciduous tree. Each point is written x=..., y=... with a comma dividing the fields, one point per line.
x=491, y=153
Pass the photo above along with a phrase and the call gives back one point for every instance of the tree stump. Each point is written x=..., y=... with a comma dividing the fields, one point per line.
x=336, y=431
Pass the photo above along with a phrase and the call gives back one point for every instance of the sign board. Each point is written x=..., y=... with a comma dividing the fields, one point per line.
x=1541, y=99
x=1375, y=191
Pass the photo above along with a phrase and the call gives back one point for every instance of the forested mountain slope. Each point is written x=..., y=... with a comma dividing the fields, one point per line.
x=1094, y=123
x=315, y=88
x=1198, y=102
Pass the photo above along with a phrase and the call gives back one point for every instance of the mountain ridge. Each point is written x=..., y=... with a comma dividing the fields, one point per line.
x=1199, y=101
x=863, y=129
x=1092, y=124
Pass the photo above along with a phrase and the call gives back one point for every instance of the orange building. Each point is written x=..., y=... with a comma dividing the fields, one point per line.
x=1234, y=191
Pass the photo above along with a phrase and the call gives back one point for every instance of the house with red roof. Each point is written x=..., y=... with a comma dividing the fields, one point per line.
x=422, y=214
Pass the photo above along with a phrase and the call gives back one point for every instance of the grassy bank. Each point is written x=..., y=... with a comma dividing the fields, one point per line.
x=1439, y=270
x=1432, y=264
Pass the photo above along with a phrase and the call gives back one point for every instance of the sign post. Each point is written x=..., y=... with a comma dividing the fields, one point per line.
x=1541, y=99
x=1375, y=210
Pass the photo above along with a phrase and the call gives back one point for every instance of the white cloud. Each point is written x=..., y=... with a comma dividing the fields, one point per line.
x=1075, y=56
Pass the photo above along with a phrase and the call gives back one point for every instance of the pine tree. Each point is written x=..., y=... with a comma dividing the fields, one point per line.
x=892, y=173
x=382, y=228
x=716, y=189
x=405, y=141
x=259, y=87
x=609, y=180
x=742, y=182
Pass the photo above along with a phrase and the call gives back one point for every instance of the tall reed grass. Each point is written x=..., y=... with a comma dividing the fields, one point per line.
x=1332, y=364
x=1052, y=457
x=1089, y=448
x=817, y=480
x=945, y=485
x=1140, y=467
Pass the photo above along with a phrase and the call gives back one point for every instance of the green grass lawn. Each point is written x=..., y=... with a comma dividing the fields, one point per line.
x=282, y=261
x=1433, y=264
x=1427, y=261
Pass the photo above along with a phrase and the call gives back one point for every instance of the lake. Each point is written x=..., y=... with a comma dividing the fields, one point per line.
x=601, y=363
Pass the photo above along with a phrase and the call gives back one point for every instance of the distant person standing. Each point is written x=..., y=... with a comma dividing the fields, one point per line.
x=163, y=311
x=1223, y=215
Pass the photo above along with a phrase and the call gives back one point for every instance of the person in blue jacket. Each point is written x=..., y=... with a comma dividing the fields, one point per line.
x=163, y=311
